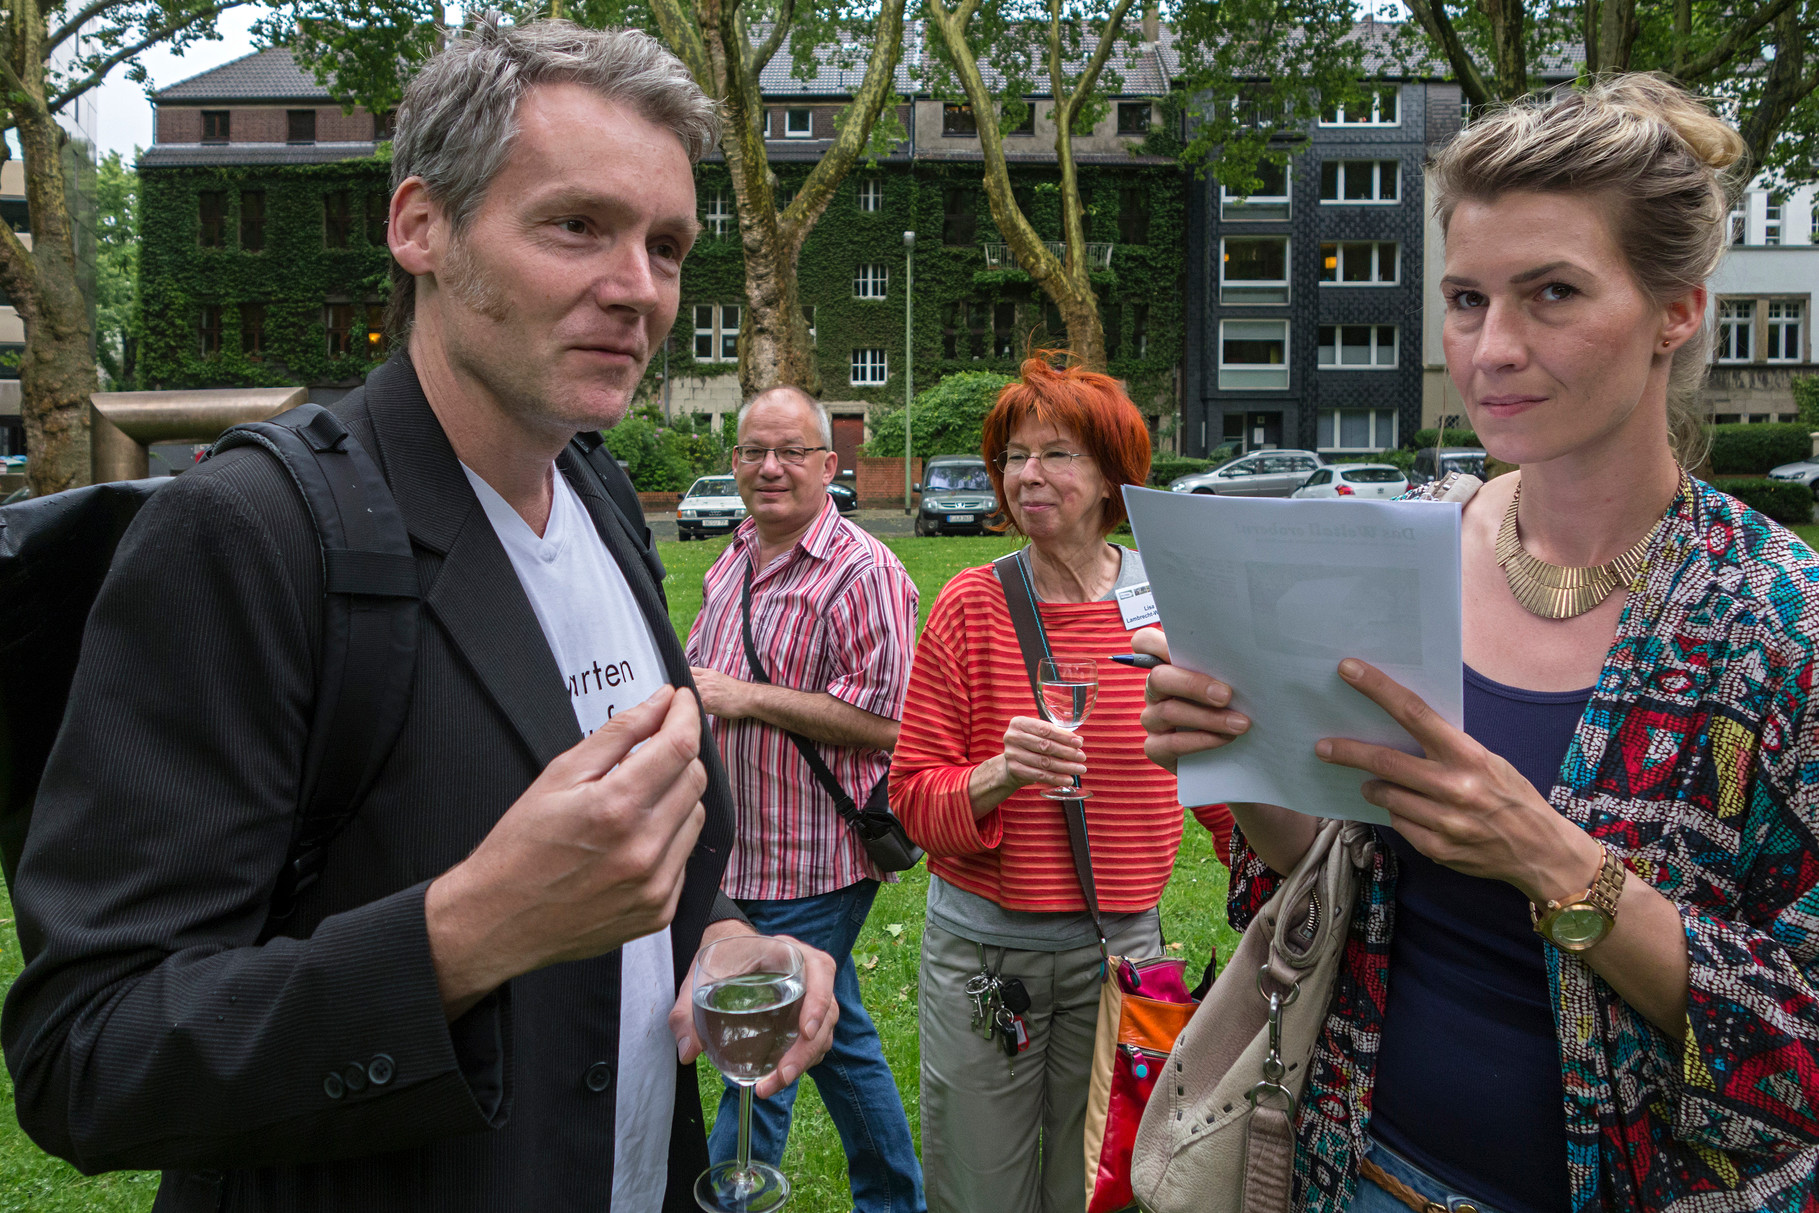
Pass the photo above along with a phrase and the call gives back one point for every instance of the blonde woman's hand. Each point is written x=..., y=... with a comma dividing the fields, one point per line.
x=1461, y=805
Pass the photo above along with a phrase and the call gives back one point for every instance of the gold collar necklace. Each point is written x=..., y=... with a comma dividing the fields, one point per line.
x=1558, y=591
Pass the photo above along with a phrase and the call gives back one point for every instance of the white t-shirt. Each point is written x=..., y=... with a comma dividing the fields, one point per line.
x=605, y=650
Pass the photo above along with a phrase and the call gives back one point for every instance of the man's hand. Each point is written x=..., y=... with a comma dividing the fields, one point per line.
x=589, y=857
x=721, y=694
x=819, y=1011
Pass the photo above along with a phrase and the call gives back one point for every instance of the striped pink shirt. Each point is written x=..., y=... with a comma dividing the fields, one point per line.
x=835, y=613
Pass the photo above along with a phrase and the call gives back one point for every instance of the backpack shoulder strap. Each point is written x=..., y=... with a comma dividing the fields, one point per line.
x=370, y=623
x=590, y=446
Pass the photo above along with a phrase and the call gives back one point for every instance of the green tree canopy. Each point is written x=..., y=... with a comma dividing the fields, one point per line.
x=948, y=417
x=117, y=271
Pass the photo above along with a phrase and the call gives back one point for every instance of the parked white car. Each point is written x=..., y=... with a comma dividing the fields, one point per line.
x=712, y=506
x=1363, y=481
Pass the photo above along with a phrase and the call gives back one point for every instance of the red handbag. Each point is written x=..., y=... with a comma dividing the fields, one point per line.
x=1141, y=1011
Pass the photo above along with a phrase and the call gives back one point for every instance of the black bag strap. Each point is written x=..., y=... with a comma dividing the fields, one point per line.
x=595, y=457
x=370, y=618
x=842, y=801
x=1020, y=596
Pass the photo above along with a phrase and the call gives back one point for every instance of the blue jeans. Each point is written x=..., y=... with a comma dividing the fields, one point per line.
x=854, y=1080
x=1369, y=1198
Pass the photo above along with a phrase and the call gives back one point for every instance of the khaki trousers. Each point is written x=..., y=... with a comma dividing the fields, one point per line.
x=994, y=1141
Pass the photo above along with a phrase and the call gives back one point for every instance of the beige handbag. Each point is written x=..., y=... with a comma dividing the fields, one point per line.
x=1218, y=1133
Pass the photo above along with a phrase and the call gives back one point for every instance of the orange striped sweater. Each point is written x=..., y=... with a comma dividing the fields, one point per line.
x=966, y=683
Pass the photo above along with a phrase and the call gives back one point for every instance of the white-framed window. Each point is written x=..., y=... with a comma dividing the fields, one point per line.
x=1739, y=225
x=871, y=194
x=767, y=124
x=729, y=332
x=871, y=368
x=799, y=124
x=1355, y=430
x=1784, y=321
x=1357, y=346
x=1253, y=269
x=719, y=219
x=1736, y=323
x=1253, y=354
x=871, y=281
x=1361, y=181
x=716, y=332
x=1358, y=263
x=1382, y=109
x=704, y=332
x=1771, y=219
x=1269, y=203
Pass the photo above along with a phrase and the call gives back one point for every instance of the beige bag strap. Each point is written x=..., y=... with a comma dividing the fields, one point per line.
x=1269, y=1162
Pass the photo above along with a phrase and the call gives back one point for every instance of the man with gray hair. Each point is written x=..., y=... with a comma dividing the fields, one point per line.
x=475, y=1005
x=803, y=640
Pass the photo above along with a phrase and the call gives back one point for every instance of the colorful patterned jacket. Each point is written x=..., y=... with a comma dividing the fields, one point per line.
x=1698, y=759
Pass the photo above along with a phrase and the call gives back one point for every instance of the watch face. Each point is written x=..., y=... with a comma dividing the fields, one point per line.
x=1578, y=927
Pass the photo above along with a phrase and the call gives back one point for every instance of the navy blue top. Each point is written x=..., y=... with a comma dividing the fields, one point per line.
x=1468, y=1075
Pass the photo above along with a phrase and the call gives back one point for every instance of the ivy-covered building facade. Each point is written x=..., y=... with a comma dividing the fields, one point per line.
x=264, y=257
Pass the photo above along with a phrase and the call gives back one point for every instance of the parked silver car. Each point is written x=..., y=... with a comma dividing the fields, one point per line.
x=1806, y=472
x=1258, y=474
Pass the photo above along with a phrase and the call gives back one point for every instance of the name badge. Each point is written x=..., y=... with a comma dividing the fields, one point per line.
x=1138, y=606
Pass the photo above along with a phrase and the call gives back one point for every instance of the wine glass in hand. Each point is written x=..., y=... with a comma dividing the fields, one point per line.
x=1068, y=691
x=748, y=1002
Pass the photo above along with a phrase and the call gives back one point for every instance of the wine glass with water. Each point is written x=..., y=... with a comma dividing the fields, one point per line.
x=748, y=1002
x=1068, y=691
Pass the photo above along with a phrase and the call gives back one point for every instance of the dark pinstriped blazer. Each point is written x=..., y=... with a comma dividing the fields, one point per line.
x=152, y=1030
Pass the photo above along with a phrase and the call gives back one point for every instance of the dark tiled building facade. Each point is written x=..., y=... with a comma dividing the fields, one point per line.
x=1305, y=302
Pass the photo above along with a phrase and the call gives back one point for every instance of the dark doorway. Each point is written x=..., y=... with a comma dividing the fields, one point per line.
x=849, y=435
x=1262, y=431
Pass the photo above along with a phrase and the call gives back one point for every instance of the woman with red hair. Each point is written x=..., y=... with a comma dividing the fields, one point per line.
x=1002, y=1135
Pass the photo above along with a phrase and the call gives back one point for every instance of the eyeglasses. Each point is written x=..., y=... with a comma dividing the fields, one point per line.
x=792, y=455
x=1054, y=463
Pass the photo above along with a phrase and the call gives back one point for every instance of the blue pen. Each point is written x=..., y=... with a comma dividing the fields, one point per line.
x=1141, y=661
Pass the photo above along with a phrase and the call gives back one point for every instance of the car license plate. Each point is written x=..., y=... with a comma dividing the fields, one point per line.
x=716, y=522
x=959, y=517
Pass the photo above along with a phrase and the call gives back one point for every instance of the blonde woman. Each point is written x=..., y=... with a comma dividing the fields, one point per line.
x=1585, y=971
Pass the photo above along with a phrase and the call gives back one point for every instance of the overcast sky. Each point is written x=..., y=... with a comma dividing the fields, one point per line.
x=124, y=116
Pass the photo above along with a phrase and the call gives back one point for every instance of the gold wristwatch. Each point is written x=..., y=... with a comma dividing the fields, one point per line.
x=1581, y=922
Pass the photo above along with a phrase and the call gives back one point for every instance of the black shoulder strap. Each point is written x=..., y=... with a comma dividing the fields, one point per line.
x=843, y=801
x=1020, y=596
x=370, y=622
x=590, y=445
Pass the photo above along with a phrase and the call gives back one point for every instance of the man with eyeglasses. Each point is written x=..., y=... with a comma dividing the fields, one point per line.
x=832, y=618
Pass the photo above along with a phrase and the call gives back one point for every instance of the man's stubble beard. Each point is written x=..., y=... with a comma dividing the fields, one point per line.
x=519, y=388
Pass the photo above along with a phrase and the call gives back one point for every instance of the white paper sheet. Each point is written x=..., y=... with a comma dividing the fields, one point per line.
x=1268, y=595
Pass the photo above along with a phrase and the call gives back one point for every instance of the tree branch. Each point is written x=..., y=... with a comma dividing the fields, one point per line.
x=75, y=24
x=1733, y=41
x=765, y=51
x=120, y=56
x=878, y=87
x=17, y=88
x=1043, y=267
x=18, y=273
x=1439, y=27
x=683, y=38
x=1089, y=78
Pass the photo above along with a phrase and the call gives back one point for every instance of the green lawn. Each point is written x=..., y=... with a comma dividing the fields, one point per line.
x=887, y=953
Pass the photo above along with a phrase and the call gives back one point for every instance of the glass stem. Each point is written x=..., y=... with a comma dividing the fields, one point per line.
x=745, y=1128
